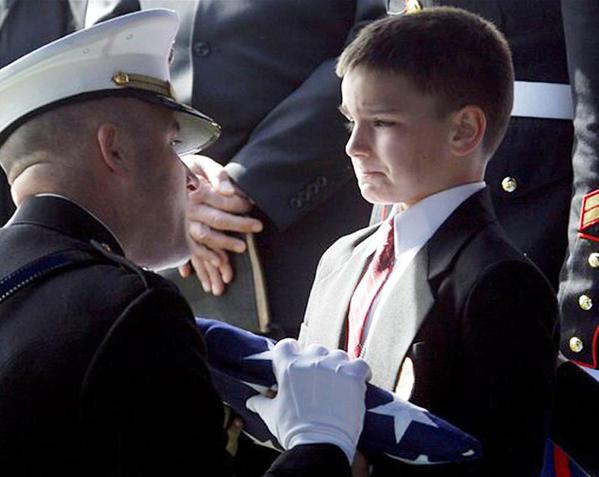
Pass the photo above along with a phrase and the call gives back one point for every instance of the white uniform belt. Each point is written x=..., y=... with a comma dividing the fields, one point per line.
x=542, y=100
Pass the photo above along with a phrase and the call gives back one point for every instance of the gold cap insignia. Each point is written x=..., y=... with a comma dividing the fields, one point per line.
x=147, y=83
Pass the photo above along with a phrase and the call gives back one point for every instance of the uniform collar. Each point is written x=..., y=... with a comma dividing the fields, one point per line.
x=66, y=217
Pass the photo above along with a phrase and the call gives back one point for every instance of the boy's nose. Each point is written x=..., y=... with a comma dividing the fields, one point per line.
x=357, y=145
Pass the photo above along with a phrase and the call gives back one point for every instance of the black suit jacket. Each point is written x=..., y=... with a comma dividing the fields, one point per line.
x=477, y=319
x=102, y=368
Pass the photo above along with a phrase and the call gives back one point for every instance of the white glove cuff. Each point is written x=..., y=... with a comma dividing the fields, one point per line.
x=321, y=436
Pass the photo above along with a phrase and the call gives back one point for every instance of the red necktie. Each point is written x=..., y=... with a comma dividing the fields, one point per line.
x=368, y=288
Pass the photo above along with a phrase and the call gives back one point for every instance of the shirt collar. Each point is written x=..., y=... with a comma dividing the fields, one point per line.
x=417, y=224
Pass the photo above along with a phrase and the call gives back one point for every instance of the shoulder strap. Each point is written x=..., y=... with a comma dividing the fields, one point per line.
x=42, y=267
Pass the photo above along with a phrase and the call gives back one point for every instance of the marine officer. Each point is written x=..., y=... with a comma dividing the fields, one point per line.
x=102, y=369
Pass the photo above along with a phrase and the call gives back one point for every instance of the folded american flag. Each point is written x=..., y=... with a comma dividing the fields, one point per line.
x=241, y=367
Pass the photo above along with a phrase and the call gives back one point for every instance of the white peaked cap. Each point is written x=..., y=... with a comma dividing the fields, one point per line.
x=126, y=56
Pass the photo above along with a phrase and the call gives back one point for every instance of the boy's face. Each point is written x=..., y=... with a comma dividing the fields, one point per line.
x=399, y=147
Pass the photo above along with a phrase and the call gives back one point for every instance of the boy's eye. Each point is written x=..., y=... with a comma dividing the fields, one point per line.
x=175, y=142
x=379, y=123
x=349, y=125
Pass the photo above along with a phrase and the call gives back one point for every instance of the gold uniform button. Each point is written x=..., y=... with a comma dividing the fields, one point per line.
x=576, y=344
x=403, y=7
x=509, y=184
x=585, y=302
x=594, y=260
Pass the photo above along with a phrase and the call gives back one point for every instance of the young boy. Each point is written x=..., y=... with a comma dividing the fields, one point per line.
x=444, y=309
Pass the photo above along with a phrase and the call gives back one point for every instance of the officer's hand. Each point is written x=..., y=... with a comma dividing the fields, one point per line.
x=320, y=397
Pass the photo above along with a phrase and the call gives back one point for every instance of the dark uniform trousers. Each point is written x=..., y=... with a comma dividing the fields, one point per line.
x=102, y=369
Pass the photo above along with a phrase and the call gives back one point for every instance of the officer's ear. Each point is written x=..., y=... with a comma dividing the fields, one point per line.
x=467, y=130
x=112, y=145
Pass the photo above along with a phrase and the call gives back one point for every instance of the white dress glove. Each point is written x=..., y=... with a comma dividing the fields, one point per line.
x=320, y=397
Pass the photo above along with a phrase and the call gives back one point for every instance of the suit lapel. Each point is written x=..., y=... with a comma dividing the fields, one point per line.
x=402, y=315
x=399, y=320
x=330, y=295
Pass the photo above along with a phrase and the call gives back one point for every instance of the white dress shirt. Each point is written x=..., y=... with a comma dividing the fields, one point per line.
x=413, y=228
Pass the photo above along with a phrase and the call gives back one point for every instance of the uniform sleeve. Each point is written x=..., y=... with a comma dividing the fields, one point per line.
x=311, y=460
x=510, y=345
x=298, y=149
x=148, y=402
x=579, y=287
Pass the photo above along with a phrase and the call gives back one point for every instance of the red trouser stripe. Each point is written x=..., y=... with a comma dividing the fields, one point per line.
x=560, y=461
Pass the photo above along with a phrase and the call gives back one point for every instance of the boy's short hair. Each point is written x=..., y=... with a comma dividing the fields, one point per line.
x=455, y=56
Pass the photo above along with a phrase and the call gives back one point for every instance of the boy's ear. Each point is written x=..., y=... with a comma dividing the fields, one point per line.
x=112, y=147
x=469, y=126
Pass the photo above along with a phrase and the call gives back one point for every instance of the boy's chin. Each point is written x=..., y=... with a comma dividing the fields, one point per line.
x=374, y=196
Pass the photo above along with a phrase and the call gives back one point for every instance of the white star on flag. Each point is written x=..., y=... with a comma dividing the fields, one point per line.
x=420, y=460
x=265, y=355
x=258, y=387
x=403, y=416
x=267, y=443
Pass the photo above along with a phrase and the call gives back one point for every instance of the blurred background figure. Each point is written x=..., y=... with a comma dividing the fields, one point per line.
x=24, y=26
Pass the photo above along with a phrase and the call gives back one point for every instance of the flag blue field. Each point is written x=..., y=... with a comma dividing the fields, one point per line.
x=241, y=366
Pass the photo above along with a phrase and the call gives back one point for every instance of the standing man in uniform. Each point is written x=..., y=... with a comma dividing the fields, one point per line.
x=579, y=285
x=102, y=368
